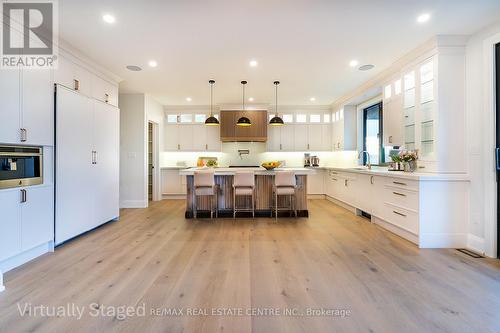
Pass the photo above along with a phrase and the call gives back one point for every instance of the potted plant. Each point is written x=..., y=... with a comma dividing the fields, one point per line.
x=409, y=159
x=396, y=162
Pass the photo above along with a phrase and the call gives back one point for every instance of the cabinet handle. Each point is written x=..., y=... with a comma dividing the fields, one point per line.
x=345, y=182
x=390, y=138
x=398, y=213
x=307, y=146
x=206, y=146
x=338, y=145
x=400, y=194
x=178, y=147
x=24, y=196
x=96, y=157
x=280, y=146
x=106, y=98
x=24, y=135
x=334, y=179
x=371, y=180
x=76, y=84
x=399, y=183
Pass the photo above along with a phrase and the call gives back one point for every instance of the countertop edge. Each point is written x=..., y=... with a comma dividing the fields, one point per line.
x=463, y=177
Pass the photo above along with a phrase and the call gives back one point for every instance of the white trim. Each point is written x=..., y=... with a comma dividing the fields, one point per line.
x=25, y=256
x=2, y=287
x=133, y=204
x=316, y=197
x=490, y=206
x=173, y=196
x=475, y=244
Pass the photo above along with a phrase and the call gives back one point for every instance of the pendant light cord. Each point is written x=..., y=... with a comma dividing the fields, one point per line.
x=276, y=107
x=243, y=97
x=211, y=99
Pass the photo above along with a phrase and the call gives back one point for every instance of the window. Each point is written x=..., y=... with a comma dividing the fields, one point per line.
x=301, y=118
x=186, y=118
x=397, y=87
x=326, y=118
x=372, y=134
x=172, y=118
x=341, y=114
x=288, y=118
x=200, y=118
x=315, y=118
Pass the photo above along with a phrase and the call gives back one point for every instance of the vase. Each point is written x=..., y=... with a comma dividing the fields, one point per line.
x=410, y=166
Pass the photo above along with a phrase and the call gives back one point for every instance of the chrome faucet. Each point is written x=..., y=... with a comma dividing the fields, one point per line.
x=368, y=163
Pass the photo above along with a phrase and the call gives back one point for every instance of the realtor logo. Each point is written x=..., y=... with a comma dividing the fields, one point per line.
x=28, y=34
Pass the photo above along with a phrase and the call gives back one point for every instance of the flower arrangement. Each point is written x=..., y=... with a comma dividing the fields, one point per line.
x=408, y=156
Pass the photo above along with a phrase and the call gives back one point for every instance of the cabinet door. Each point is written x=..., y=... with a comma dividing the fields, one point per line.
x=38, y=106
x=213, y=138
x=301, y=137
x=199, y=137
x=171, y=138
x=10, y=110
x=186, y=139
x=315, y=137
x=287, y=137
x=274, y=138
x=75, y=183
x=105, y=176
x=10, y=223
x=227, y=125
x=171, y=182
x=37, y=217
x=326, y=143
x=393, y=121
x=63, y=75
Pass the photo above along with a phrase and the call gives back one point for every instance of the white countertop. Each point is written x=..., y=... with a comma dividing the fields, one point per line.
x=383, y=171
x=258, y=171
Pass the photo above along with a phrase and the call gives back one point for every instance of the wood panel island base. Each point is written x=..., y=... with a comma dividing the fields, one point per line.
x=264, y=202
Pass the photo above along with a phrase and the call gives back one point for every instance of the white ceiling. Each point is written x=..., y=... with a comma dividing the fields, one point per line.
x=306, y=44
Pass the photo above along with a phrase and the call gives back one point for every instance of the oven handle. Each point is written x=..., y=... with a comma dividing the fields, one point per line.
x=20, y=154
x=24, y=196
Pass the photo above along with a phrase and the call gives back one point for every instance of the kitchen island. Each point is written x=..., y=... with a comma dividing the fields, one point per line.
x=264, y=181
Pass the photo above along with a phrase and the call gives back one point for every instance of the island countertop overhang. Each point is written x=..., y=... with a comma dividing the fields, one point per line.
x=257, y=171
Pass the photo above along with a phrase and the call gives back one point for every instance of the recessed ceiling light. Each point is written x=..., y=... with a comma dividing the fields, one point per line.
x=253, y=63
x=353, y=63
x=423, y=18
x=189, y=99
x=366, y=67
x=152, y=63
x=134, y=68
x=108, y=18
x=312, y=99
x=250, y=99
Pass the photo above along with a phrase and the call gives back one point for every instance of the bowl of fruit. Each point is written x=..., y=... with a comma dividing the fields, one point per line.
x=270, y=165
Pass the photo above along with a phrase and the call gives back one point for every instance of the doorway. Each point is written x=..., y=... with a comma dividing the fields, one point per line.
x=372, y=134
x=150, y=161
x=497, y=150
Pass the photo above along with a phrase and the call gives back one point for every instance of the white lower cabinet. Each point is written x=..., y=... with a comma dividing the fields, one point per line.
x=172, y=183
x=430, y=213
x=27, y=219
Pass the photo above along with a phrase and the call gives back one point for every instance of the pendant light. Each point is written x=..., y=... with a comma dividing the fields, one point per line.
x=244, y=121
x=276, y=120
x=211, y=121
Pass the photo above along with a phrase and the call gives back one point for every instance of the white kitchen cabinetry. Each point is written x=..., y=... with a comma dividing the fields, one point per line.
x=173, y=184
x=104, y=91
x=27, y=112
x=191, y=137
x=392, y=115
x=87, y=153
x=344, y=129
x=28, y=214
x=316, y=182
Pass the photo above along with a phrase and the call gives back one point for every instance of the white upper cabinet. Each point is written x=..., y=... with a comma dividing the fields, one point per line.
x=104, y=91
x=181, y=133
x=344, y=129
x=393, y=117
x=301, y=137
x=37, y=116
x=171, y=137
x=10, y=117
x=213, y=138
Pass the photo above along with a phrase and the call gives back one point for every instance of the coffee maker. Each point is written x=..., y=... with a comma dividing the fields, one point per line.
x=307, y=160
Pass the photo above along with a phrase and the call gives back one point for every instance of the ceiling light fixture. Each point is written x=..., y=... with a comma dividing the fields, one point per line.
x=250, y=99
x=366, y=67
x=253, y=63
x=244, y=121
x=423, y=18
x=353, y=63
x=152, y=63
x=189, y=99
x=109, y=18
x=276, y=120
x=134, y=68
x=312, y=99
x=211, y=121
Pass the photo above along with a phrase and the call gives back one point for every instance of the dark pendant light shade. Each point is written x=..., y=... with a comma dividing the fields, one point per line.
x=212, y=121
x=276, y=120
x=244, y=121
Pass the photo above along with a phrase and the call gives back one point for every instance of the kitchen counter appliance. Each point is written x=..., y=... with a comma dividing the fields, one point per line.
x=20, y=166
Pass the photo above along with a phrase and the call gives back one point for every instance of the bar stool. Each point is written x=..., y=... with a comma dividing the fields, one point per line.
x=244, y=185
x=285, y=184
x=204, y=185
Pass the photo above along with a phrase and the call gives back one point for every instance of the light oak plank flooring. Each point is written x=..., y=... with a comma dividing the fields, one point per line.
x=332, y=260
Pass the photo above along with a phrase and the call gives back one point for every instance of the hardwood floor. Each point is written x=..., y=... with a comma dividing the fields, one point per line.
x=154, y=259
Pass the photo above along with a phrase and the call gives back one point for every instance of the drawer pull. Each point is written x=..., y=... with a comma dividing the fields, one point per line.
x=398, y=213
x=371, y=180
x=400, y=194
x=335, y=179
x=399, y=183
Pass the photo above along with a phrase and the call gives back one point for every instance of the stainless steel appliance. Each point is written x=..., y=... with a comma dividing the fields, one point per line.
x=315, y=161
x=20, y=166
x=307, y=160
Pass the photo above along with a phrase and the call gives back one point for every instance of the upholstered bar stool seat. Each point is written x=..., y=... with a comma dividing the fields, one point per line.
x=285, y=184
x=244, y=185
x=204, y=185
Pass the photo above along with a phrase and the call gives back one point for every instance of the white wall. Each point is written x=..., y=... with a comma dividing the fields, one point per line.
x=133, y=192
x=478, y=147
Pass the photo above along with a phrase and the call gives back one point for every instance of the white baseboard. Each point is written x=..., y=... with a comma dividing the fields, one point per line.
x=341, y=204
x=173, y=196
x=133, y=204
x=445, y=241
x=2, y=287
x=26, y=256
x=475, y=244
x=396, y=230
x=316, y=196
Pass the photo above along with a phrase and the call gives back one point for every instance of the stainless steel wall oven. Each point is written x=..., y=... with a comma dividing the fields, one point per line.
x=20, y=166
